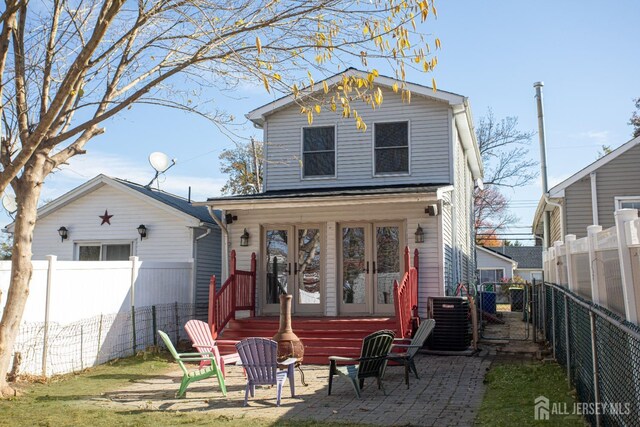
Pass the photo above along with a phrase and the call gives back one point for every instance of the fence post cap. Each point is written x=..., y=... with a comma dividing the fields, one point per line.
x=594, y=229
x=626, y=214
x=569, y=237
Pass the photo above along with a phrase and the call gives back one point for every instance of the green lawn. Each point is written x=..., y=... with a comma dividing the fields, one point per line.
x=512, y=389
x=62, y=402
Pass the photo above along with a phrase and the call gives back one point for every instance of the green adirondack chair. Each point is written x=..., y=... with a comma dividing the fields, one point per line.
x=410, y=350
x=199, y=374
x=371, y=363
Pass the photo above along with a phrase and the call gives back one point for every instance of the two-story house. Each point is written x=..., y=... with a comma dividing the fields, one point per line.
x=340, y=205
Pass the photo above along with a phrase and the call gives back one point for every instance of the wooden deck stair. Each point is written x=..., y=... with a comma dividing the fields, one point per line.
x=322, y=336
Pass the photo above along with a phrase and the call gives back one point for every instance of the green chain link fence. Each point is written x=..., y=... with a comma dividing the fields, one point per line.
x=599, y=350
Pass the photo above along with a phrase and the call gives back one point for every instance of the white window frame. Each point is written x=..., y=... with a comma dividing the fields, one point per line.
x=335, y=153
x=619, y=200
x=490, y=269
x=373, y=150
x=101, y=244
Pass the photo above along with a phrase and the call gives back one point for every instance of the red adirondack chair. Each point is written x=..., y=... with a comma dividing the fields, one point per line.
x=200, y=336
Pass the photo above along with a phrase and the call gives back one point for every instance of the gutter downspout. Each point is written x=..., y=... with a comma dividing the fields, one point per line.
x=225, y=243
x=194, y=270
x=547, y=223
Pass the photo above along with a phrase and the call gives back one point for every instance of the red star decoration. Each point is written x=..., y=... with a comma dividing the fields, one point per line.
x=106, y=218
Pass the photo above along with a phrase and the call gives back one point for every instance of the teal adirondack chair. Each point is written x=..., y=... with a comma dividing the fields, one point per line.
x=410, y=350
x=371, y=363
x=199, y=374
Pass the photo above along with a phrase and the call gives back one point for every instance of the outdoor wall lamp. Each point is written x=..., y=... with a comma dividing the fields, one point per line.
x=63, y=232
x=244, y=239
x=142, y=231
x=419, y=234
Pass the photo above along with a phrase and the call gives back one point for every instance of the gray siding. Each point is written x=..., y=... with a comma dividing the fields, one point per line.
x=578, y=207
x=429, y=135
x=619, y=177
x=208, y=259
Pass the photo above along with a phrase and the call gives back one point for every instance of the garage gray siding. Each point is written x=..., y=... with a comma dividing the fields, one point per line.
x=578, y=207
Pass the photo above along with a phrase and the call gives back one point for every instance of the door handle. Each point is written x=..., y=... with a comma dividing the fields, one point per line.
x=288, y=269
x=295, y=268
x=367, y=270
x=374, y=267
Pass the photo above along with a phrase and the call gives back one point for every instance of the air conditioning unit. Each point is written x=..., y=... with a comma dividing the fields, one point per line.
x=452, y=330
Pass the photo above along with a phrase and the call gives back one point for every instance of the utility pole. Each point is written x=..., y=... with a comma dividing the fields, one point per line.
x=543, y=162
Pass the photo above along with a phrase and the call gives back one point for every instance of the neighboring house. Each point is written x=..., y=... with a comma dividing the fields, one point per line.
x=592, y=195
x=528, y=259
x=102, y=217
x=339, y=205
x=494, y=266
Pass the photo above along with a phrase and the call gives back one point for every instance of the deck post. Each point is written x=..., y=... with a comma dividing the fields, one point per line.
x=234, y=287
x=253, y=284
x=212, y=308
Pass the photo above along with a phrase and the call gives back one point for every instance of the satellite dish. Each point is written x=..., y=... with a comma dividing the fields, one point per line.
x=9, y=203
x=160, y=161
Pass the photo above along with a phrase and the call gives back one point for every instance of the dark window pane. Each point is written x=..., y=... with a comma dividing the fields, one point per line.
x=392, y=160
x=319, y=164
x=392, y=134
x=117, y=252
x=89, y=253
x=630, y=205
x=318, y=139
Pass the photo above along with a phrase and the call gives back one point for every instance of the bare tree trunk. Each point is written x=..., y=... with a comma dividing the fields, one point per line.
x=28, y=193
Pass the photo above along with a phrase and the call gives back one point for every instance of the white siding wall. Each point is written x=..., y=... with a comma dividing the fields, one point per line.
x=409, y=213
x=169, y=237
x=429, y=134
x=490, y=261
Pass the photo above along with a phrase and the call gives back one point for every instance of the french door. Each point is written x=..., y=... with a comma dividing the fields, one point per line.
x=371, y=259
x=294, y=265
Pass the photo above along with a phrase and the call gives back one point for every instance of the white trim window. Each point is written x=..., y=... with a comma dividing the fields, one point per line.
x=118, y=251
x=319, y=152
x=391, y=148
x=490, y=275
x=631, y=202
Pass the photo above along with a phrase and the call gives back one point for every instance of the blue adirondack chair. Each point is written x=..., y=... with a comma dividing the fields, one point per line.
x=371, y=363
x=410, y=350
x=200, y=374
x=258, y=357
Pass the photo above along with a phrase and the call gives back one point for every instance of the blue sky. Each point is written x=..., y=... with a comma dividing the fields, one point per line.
x=492, y=52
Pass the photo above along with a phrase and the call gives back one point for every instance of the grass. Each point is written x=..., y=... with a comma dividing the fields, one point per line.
x=63, y=401
x=512, y=389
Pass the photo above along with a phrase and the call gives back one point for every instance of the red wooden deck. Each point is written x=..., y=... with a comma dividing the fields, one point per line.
x=322, y=336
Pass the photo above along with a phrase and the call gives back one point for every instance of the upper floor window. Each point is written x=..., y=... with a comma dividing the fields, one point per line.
x=101, y=252
x=319, y=152
x=627, y=203
x=391, y=148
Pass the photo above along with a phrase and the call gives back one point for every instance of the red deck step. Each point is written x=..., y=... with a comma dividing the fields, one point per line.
x=322, y=336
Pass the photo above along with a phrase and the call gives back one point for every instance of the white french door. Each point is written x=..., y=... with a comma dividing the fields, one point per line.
x=294, y=264
x=371, y=259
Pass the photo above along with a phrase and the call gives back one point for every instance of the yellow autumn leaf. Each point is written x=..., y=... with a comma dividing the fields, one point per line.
x=258, y=45
x=295, y=90
x=325, y=87
x=266, y=83
x=395, y=87
x=310, y=117
x=437, y=43
x=433, y=83
x=277, y=76
x=317, y=108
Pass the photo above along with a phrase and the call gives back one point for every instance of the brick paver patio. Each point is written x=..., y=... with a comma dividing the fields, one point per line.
x=448, y=393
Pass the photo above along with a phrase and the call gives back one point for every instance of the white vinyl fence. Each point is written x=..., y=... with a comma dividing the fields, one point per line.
x=603, y=267
x=83, y=313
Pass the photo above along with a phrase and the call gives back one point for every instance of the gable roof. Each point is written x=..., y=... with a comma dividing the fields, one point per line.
x=526, y=256
x=556, y=191
x=172, y=203
x=497, y=254
x=459, y=104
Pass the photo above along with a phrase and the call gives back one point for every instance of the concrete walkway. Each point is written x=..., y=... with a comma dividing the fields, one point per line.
x=448, y=393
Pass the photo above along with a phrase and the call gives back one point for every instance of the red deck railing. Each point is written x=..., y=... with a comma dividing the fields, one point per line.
x=238, y=292
x=405, y=295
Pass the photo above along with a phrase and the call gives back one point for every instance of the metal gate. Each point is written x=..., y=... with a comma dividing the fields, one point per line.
x=504, y=310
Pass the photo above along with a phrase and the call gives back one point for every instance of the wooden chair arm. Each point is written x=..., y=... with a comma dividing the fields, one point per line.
x=406, y=346
x=288, y=361
x=203, y=356
x=342, y=359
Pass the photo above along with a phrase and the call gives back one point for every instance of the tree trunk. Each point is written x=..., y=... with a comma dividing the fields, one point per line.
x=27, y=191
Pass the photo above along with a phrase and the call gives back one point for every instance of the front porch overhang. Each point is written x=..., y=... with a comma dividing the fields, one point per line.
x=330, y=197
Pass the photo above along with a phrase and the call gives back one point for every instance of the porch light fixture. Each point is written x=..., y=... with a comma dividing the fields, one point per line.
x=419, y=234
x=63, y=232
x=244, y=239
x=142, y=231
